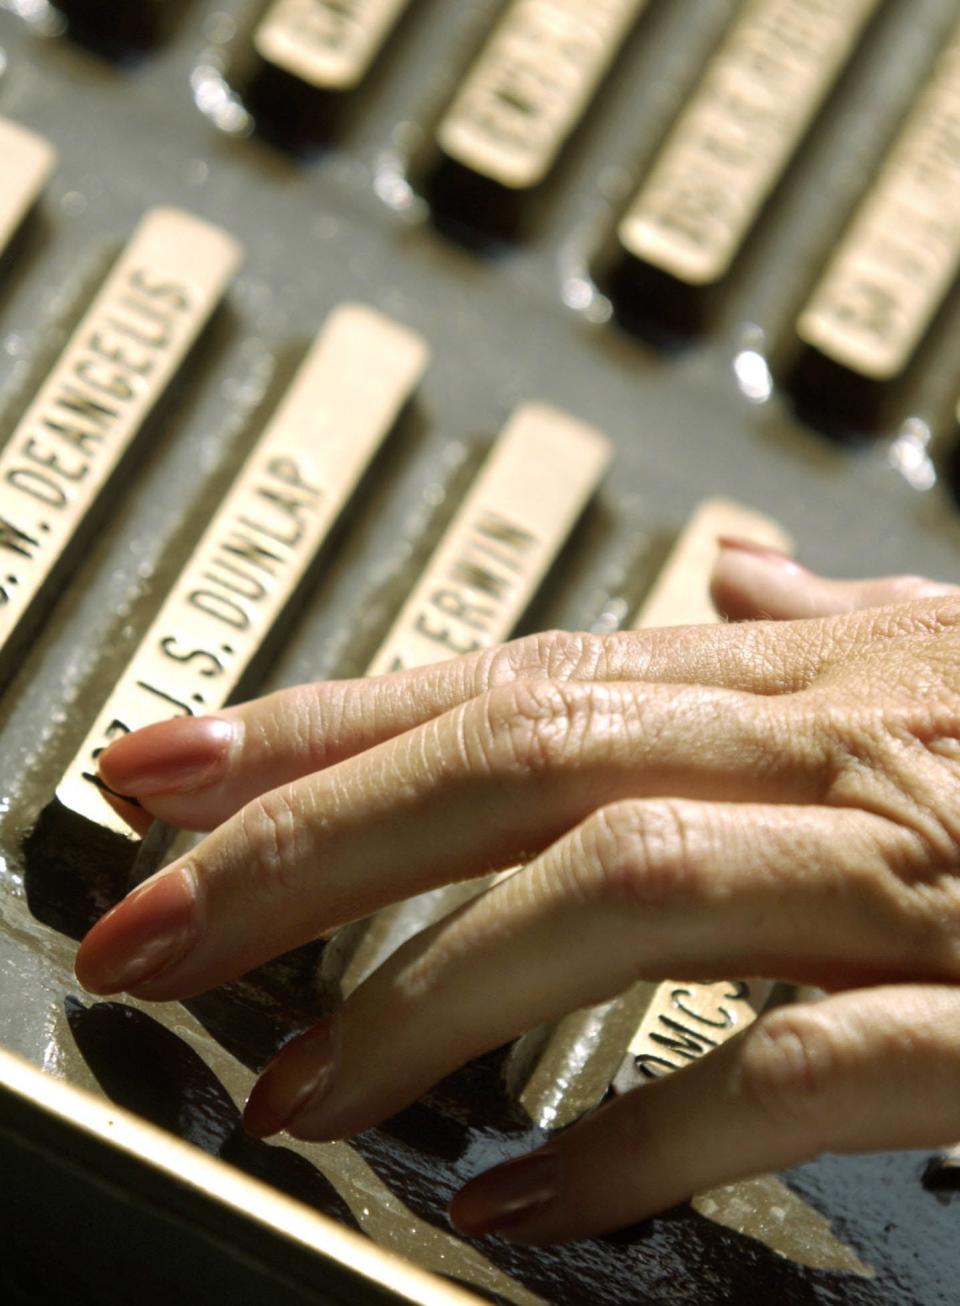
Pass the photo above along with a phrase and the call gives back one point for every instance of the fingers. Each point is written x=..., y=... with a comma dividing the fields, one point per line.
x=478, y=789
x=196, y=772
x=641, y=889
x=856, y=1072
x=751, y=582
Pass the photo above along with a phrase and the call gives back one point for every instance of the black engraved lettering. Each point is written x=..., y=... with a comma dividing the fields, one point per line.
x=725, y=1022
x=38, y=486
x=173, y=293
x=49, y=458
x=287, y=472
x=220, y=608
x=115, y=384
x=443, y=637
x=244, y=547
x=16, y=540
x=690, y=1044
x=116, y=729
x=646, y=1064
x=91, y=410
x=119, y=355
x=453, y=604
x=212, y=664
x=184, y=709
x=113, y=731
x=477, y=577
x=505, y=532
x=294, y=508
x=85, y=441
x=239, y=581
x=161, y=338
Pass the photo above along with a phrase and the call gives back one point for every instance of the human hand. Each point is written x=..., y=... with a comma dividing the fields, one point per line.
x=771, y=799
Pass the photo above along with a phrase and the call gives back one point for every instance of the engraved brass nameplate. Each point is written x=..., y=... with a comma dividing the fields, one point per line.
x=733, y=140
x=680, y=1021
x=144, y=319
x=901, y=251
x=487, y=567
x=684, y=1021
x=531, y=84
x=475, y=587
x=26, y=162
x=247, y=566
x=328, y=43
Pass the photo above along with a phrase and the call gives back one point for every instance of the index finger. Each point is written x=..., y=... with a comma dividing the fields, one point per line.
x=197, y=772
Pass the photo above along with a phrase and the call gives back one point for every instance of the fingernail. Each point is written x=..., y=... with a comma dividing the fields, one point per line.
x=169, y=756
x=151, y=930
x=758, y=550
x=295, y=1083
x=508, y=1196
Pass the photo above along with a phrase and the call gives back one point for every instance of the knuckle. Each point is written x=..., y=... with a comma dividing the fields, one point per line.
x=271, y=831
x=524, y=727
x=644, y=852
x=576, y=655
x=553, y=655
x=792, y=1065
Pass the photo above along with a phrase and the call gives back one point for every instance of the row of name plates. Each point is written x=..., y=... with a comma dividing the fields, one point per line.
x=537, y=74
x=534, y=80
x=252, y=559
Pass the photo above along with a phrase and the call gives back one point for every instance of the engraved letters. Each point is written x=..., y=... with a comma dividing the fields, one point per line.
x=679, y=1022
x=496, y=551
x=735, y=137
x=257, y=550
x=531, y=84
x=92, y=406
x=901, y=251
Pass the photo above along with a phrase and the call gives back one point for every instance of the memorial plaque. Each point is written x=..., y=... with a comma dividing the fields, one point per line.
x=531, y=84
x=900, y=253
x=93, y=404
x=26, y=162
x=476, y=586
x=574, y=1066
x=735, y=137
x=329, y=44
x=680, y=1021
x=683, y=1021
x=486, y=569
x=252, y=558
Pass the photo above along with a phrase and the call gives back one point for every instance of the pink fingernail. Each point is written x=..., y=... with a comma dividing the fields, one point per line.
x=508, y=1196
x=296, y=1082
x=168, y=757
x=759, y=550
x=150, y=931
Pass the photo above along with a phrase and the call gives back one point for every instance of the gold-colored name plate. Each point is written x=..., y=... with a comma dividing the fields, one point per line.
x=93, y=404
x=26, y=162
x=681, y=1021
x=531, y=84
x=685, y=1021
x=900, y=253
x=476, y=585
x=233, y=590
x=328, y=43
x=486, y=569
x=735, y=137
